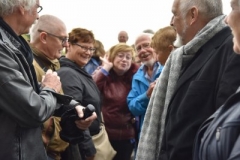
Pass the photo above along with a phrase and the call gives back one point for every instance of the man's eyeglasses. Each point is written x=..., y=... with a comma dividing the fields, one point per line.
x=39, y=8
x=91, y=50
x=143, y=46
x=63, y=39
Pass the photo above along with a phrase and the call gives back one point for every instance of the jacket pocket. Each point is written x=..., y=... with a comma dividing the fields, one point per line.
x=197, y=98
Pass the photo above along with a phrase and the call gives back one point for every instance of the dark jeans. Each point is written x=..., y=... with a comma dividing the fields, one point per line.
x=124, y=149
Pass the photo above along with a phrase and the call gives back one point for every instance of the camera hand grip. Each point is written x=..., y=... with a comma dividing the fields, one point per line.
x=88, y=111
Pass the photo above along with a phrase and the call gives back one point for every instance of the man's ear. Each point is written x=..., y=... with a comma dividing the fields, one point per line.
x=21, y=10
x=193, y=14
x=43, y=37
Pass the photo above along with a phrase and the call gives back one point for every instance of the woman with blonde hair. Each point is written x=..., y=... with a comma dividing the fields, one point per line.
x=114, y=79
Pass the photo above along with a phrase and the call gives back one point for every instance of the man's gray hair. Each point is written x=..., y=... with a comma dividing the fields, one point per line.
x=7, y=6
x=150, y=35
x=209, y=9
x=48, y=23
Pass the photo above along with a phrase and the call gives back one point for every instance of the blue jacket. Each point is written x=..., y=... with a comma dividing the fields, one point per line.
x=137, y=98
x=91, y=66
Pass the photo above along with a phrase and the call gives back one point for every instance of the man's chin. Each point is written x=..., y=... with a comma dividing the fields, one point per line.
x=149, y=63
x=178, y=42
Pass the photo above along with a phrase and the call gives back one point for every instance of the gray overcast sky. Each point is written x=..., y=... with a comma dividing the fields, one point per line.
x=107, y=17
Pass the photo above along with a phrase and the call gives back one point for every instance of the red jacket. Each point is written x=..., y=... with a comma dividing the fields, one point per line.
x=114, y=90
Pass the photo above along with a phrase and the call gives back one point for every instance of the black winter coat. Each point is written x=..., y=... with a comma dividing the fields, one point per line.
x=205, y=84
x=77, y=83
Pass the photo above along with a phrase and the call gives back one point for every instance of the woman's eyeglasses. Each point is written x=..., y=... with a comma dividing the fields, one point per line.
x=91, y=50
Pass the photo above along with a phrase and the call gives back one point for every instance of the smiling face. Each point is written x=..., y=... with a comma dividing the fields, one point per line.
x=79, y=54
x=145, y=52
x=81, y=46
x=233, y=20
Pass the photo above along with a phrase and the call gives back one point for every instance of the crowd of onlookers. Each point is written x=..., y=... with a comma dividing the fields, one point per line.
x=172, y=95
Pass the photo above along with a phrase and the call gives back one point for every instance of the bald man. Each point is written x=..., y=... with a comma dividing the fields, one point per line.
x=48, y=37
x=122, y=37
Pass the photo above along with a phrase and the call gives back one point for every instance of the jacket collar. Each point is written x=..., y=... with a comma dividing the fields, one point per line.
x=203, y=55
x=46, y=62
x=65, y=62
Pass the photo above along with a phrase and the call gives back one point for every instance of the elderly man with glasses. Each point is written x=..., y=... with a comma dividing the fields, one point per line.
x=144, y=79
x=24, y=105
x=48, y=37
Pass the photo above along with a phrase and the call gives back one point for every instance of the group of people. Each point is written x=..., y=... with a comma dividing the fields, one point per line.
x=187, y=71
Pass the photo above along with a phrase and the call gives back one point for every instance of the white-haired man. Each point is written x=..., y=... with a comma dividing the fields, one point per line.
x=198, y=77
x=24, y=106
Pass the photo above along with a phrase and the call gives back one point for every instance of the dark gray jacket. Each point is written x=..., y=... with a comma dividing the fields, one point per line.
x=80, y=85
x=22, y=109
x=218, y=137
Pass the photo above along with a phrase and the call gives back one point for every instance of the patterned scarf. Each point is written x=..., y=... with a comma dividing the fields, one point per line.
x=153, y=127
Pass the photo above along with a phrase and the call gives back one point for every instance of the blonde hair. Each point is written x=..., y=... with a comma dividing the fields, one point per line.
x=121, y=47
x=100, y=52
x=163, y=38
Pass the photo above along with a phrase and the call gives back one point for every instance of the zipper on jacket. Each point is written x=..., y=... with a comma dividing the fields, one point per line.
x=218, y=133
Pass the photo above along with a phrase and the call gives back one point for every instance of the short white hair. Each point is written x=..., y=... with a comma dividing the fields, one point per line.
x=150, y=35
x=7, y=6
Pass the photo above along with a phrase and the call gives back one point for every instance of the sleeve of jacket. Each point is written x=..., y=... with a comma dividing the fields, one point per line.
x=100, y=78
x=137, y=100
x=18, y=98
x=87, y=147
x=71, y=84
x=230, y=79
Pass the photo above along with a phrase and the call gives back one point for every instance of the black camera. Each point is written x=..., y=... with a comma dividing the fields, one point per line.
x=70, y=133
